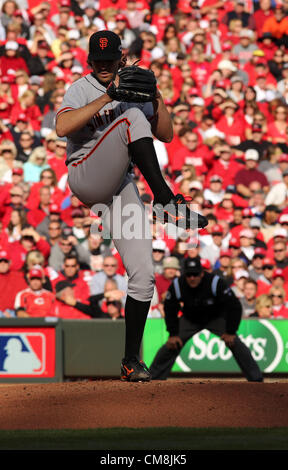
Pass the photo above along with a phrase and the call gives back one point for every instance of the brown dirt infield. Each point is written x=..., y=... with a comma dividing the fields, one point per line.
x=177, y=402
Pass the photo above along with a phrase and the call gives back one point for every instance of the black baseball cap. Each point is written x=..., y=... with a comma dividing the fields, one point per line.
x=193, y=266
x=104, y=45
x=62, y=285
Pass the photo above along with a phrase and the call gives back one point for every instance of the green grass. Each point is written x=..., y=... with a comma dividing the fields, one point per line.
x=147, y=439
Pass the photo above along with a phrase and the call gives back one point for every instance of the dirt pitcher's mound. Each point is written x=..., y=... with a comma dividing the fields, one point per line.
x=111, y=403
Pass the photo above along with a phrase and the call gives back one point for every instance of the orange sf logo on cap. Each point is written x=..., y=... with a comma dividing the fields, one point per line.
x=103, y=42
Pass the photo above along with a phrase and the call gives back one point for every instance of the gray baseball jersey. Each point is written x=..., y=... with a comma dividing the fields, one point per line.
x=82, y=92
x=98, y=160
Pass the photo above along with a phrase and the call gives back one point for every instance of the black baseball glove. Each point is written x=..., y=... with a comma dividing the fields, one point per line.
x=136, y=85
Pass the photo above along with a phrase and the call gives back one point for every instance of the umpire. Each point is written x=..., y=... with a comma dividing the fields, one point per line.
x=208, y=303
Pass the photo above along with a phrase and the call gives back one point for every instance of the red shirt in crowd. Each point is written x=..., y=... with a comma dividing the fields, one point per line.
x=36, y=303
x=10, y=284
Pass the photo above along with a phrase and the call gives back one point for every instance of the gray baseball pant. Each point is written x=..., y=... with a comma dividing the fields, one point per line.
x=100, y=181
x=165, y=357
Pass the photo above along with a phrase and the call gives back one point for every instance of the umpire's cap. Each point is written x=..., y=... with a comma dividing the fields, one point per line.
x=193, y=266
x=104, y=45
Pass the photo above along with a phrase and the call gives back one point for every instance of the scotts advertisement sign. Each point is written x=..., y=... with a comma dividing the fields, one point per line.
x=205, y=352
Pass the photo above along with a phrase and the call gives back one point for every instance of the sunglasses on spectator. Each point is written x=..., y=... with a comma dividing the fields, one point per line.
x=4, y=260
x=192, y=274
x=278, y=296
x=158, y=251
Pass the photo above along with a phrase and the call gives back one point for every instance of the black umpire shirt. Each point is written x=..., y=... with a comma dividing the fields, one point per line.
x=200, y=304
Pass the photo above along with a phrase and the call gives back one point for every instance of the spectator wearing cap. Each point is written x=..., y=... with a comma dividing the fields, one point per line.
x=222, y=266
x=123, y=30
x=80, y=54
x=249, y=174
x=215, y=191
x=279, y=302
x=255, y=226
x=257, y=141
x=242, y=221
x=22, y=124
x=234, y=247
x=238, y=285
x=283, y=220
x=278, y=193
x=248, y=301
x=255, y=267
x=171, y=269
x=11, y=282
x=11, y=60
x=279, y=235
x=78, y=215
x=27, y=104
x=41, y=56
x=34, y=301
x=246, y=46
x=67, y=306
x=212, y=251
x=247, y=240
x=264, y=281
x=158, y=254
x=224, y=211
x=51, y=214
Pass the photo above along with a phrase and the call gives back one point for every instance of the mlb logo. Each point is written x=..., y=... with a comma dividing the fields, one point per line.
x=22, y=353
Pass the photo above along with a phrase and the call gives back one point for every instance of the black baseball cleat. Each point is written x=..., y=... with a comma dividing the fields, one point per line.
x=178, y=213
x=134, y=370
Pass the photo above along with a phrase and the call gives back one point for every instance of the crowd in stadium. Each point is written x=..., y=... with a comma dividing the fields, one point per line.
x=222, y=69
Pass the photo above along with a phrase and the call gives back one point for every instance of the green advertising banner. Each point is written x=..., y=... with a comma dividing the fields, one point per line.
x=205, y=352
